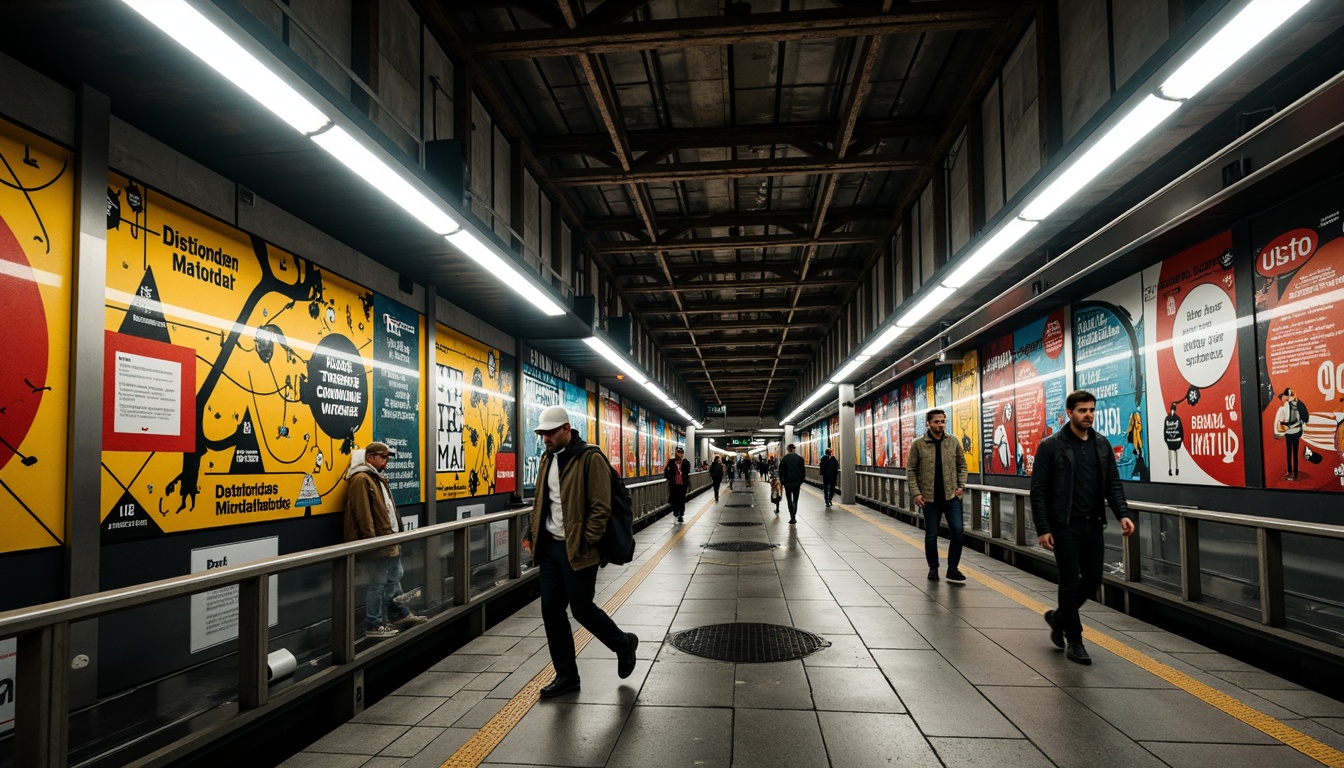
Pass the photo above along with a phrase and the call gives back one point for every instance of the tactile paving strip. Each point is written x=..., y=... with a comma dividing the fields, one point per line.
x=740, y=546
x=748, y=643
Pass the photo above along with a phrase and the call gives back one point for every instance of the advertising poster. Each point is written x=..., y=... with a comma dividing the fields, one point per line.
x=659, y=444
x=396, y=387
x=1299, y=304
x=645, y=444
x=1040, y=385
x=942, y=391
x=475, y=401
x=896, y=455
x=923, y=402
x=909, y=430
x=590, y=429
x=9, y=675
x=998, y=438
x=272, y=358
x=964, y=416
x=1108, y=334
x=882, y=422
x=541, y=390
x=862, y=434
x=610, y=420
x=1194, y=382
x=629, y=438
x=37, y=200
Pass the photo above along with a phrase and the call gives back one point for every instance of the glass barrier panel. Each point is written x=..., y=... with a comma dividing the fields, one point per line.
x=1005, y=502
x=1314, y=586
x=1159, y=539
x=489, y=555
x=1229, y=568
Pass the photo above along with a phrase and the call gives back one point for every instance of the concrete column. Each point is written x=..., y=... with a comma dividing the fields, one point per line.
x=849, y=449
x=692, y=455
x=704, y=449
x=788, y=438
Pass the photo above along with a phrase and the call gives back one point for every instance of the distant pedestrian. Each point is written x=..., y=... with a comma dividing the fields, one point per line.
x=1074, y=478
x=716, y=475
x=936, y=468
x=791, y=476
x=830, y=475
x=678, y=476
x=731, y=471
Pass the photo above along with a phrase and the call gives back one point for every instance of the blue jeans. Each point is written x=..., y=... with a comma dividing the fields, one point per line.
x=384, y=584
x=827, y=491
x=932, y=513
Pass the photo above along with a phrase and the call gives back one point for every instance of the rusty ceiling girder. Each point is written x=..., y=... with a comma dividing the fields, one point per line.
x=790, y=219
x=783, y=268
x=774, y=27
x=738, y=169
x=738, y=342
x=736, y=307
x=735, y=285
x=739, y=241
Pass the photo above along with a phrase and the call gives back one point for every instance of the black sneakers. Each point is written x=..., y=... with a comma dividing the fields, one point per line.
x=933, y=573
x=955, y=575
x=559, y=687
x=1056, y=634
x=1077, y=654
x=625, y=661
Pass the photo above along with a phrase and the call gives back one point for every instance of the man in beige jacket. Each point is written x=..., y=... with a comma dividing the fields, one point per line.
x=936, y=469
x=369, y=513
x=569, y=516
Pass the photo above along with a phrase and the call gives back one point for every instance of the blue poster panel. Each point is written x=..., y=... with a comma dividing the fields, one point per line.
x=396, y=392
x=1108, y=338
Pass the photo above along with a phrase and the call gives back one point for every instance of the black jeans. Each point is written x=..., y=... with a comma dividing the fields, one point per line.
x=676, y=498
x=1079, y=552
x=563, y=586
x=791, y=496
x=717, y=483
x=828, y=490
x=1291, y=443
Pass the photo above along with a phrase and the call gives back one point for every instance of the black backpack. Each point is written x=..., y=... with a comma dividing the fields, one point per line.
x=618, y=543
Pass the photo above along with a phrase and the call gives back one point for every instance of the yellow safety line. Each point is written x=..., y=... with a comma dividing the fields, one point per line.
x=1275, y=729
x=484, y=741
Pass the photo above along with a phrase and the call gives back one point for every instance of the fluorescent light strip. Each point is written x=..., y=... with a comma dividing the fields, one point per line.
x=658, y=393
x=926, y=305
x=188, y=27
x=382, y=177
x=1251, y=25
x=884, y=340
x=621, y=363
x=996, y=246
x=504, y=271
x=849, y=368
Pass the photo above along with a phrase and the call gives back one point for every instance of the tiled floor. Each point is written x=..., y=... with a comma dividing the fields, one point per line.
x=918, y=673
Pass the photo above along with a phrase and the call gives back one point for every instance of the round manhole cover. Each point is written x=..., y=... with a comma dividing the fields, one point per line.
x=740, y=524
x=740, y=546
x=748, y=643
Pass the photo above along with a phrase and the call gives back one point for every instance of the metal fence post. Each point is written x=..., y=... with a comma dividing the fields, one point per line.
x=343, y=610
x=461, y=566
x=995, y=524
x=253, y=611
x=1271, y=576
x=41, y=716
x=515, y=547
x=977, y=515
x=1020, y=520
x=1191, y=585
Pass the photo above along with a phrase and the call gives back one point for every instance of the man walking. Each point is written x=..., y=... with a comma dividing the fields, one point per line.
x=830, y=475
x=1075, y=475
x=678, y=475
x=369, y=513
x=791, y=476
x=716, y=475
x=569, y=516
x=936, y=468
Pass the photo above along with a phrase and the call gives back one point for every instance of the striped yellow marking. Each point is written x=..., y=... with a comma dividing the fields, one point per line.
x=1275, y=729
x=484, y=741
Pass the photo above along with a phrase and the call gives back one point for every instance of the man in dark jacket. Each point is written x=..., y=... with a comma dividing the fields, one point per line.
x=1074, y=476
x=791, y=476
x=830, y=475
x=569, y=516
x=369, y=513
x=678, y=475
x=716, y=475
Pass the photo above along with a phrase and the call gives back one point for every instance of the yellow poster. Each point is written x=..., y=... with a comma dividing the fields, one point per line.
x=37, y=200
x=475, y=454
x=238, y=376
x=964, y=418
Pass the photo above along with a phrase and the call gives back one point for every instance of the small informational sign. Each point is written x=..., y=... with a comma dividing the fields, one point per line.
x=147, y=403
x=214, y=614
x=716, y=410
x=9, y=673
x=499, y=540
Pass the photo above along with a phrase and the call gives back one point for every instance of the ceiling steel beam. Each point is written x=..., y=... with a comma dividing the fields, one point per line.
x=914, y=18
x=797, y=220
x=737, y=169
x=743, y=341
x=735, y=285
x=739, y=241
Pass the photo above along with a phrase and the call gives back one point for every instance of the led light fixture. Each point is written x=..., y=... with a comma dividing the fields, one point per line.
x=505, y=272
x=881, y=342
x=849, y=368
x=210, y=44
x=621, y=363
x=1252, y=24
x=658, y=393
x=931, y=300
x=382, y=177
x=1007, y=236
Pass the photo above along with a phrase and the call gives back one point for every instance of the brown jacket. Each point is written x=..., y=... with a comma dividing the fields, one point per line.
x=585, y=498
x=365, y=509
x=920, y=470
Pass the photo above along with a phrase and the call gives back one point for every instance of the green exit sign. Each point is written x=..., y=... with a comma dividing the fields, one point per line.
x=739, y=442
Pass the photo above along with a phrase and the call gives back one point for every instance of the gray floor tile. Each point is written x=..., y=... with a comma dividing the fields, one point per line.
x=777, y=739
x=1305, y=703
x=930, y=688
x=981, y=660
x=590, y=731
x=451, y=710
x=516, y=626
x=358, y=739
x=439, y=684
x=1054, y=721
x=400, y=710
x=601, y=685
x=1000, y=753
x=688, y=685
x=489, y=645
x=1229, y=756
x=480, y=713
x=1163, y=641
x=882, y=627
x=439, y=750
x=845, y=651
x=324, y=760
x=783, y=685
x=1033, y=648
x=654, y=737
x=383, y=761
x=1257, y=680
x=852, y=689
x=461, y=662
x=823, y=617
x=1146, y=715
x=412, y=742
x=485, y=681
x=863, y=739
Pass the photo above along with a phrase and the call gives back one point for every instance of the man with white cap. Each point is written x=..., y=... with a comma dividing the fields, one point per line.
x=569, y=516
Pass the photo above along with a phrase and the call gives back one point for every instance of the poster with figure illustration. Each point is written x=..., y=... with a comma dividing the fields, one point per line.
x=1299, y=312
x=909, y=430
x=923, y=402
x=1040, y=385
x=963, y=418
x=546, y=383
x=1193, y=368
x=883, y=407
x=475, y=399
x=1108, y=355
x=998, y=435
x=610, y=420
x=272, y=359
x=630, y=438
x=37, y=199
x=645, y=443
x=862, y=435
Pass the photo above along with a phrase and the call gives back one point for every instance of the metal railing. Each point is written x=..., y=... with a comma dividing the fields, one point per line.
x=1008, y=523
x=41, y=731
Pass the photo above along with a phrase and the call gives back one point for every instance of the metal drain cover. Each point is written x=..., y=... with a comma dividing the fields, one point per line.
x=748, y=643
x=740, y=525
x=740, y=546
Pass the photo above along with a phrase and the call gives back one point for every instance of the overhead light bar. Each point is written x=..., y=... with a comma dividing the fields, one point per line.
x=382, y=177
x=658, y=393
x=210, y=44
x=849, y=368
x=881, y=343
x=822, y=390
x=1252, y=24
x=931, y=300
x=1007, y=236
x=504, y=271
x=625, y=366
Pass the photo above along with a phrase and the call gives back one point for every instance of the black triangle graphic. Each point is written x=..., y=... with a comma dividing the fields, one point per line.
x=129, y=521
x=145, y=317
x=246, y=452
